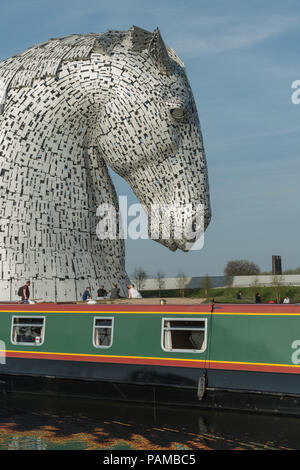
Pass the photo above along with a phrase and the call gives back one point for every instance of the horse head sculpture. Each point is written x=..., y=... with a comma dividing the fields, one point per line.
x=71, y=107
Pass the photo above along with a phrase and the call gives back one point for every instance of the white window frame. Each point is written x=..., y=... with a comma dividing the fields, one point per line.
x=185, y=350
x=32, y=317
x=111, y=327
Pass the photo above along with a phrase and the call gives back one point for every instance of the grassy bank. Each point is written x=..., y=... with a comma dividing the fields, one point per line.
x=228, y=294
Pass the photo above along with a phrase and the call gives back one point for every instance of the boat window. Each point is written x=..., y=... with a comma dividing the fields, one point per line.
x=103, y=332
x=28, y=330
x=184, y=335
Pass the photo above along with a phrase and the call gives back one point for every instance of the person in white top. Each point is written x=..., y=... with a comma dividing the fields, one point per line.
x=286, y=300
x=133, y=293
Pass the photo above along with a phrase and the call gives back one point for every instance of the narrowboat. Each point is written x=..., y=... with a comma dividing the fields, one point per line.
x=234, y=357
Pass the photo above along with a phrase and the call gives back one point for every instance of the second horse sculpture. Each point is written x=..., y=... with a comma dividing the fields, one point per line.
x=71, y=107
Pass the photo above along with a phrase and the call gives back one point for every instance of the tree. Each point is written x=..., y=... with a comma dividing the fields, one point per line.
x=205, y=284
x=277, y=283
x=140, y=277
x=181, y=283
x=160, y=280
x=240, y=267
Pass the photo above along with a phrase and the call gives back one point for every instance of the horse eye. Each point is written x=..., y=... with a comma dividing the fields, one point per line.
x=177, y=113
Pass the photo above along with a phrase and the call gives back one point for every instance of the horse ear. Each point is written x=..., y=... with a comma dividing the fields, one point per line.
x=140, y=38
x=159, y=53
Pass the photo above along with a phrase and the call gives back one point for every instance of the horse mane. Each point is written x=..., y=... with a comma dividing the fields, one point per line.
x=44, y=59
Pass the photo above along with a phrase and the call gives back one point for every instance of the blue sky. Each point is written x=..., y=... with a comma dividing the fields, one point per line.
x=241, y=58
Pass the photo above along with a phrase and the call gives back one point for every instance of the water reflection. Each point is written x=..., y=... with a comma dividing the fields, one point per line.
x=45, y=423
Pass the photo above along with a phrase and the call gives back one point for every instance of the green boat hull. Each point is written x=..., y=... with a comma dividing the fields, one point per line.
x=249, y=358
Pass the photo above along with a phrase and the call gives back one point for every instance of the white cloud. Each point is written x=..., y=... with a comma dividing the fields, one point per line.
x=215, y=35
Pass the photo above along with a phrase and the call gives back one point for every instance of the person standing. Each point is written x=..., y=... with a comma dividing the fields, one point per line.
x=26, y=293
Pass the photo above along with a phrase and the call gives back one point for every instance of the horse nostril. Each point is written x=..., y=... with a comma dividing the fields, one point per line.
x=177, y=113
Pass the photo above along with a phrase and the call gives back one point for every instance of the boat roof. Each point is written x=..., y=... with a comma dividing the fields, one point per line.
x=152, y=305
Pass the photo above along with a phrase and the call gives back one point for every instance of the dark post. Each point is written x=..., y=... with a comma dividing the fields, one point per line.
x=276, y=265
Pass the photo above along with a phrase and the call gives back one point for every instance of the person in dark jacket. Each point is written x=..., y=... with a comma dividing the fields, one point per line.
x=101, y=292
x=26, y=293
x=257, y=298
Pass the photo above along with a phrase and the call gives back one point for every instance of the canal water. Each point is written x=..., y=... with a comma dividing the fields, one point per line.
x=30, y=422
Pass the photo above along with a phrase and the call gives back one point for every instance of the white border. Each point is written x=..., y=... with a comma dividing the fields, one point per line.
x=112, y=331
x=184, y=350
x=28, y=316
